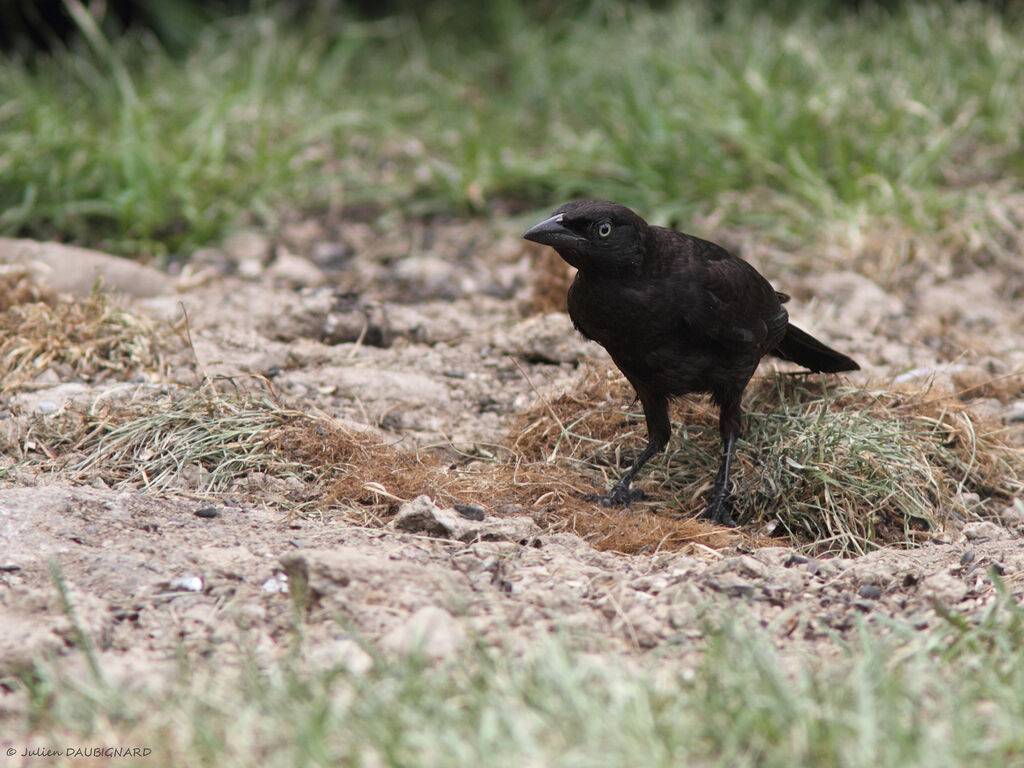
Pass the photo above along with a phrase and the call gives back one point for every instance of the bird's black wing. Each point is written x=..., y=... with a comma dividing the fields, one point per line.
x=730, y=302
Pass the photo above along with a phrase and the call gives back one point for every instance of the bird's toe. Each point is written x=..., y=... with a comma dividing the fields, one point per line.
x=617, y=497
x=720, y=514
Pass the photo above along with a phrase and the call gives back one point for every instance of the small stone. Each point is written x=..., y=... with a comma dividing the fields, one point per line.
x=250, y=269
x=1014, y=412
x=1013, y=514
x=276, y=584
x=186, y=584
x=870, y=592
x=862, y=303
x=731, y=583
x=751, y=567
x=545, y=339
x=210, y=257
x=343, y=653
x=470, y=511
x=207, y=513
x=984, y=530
x=422, y=515
x=327, y=255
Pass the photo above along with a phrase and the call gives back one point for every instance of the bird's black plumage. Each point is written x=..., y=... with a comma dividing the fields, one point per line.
x=678, y=315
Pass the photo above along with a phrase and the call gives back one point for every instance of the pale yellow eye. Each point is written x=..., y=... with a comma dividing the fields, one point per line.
x=604, y=229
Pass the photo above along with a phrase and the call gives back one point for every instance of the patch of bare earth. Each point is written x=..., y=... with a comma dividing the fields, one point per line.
x=398, y=426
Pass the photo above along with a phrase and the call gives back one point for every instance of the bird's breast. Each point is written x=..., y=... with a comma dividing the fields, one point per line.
x=626, y=320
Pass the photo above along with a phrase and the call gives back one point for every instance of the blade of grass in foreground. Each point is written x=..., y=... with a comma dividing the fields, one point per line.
x=894, y=697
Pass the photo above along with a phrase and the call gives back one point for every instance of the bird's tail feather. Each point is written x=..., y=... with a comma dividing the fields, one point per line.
x=803, y=349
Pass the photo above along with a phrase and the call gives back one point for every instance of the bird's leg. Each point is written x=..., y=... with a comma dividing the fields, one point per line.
x=718, y=509
x=621, y=494
x=659, y=428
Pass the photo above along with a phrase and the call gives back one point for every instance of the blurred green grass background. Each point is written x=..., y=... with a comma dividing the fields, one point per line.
x=788, y=119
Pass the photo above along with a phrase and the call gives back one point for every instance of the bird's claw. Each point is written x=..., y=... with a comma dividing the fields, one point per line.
x=719, y=512
x=617, y=497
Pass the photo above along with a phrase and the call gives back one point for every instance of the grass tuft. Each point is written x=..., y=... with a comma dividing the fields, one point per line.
x=87, y=339
x=200, y=440
x=835, y=467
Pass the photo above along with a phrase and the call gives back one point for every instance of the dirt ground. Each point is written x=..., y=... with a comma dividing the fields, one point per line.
x=428, y=337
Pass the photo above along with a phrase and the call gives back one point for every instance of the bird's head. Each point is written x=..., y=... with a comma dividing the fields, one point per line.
x=594, y=236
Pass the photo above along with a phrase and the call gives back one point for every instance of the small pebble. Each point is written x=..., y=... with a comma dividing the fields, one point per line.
x=870, y=592
x=187, y=584
x=278, y=583
x=470, y=511
x=207, y=512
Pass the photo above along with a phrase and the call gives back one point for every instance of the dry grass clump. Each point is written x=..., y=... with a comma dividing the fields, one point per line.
x=18, y=287
x=835, y=467
x=210, y=441
x=86, y=339
x=634, y=531
x=555, y=495
x=588, y=421
x=357, y=470
x=199, y=440
x=848, y=469
x=370, y=479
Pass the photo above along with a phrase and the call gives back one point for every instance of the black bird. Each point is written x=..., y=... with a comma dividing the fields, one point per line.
x=677, y=314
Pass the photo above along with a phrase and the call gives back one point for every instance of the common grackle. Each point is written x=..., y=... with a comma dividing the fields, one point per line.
x=677, y=314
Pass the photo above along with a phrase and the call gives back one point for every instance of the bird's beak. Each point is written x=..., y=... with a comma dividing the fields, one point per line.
x=551, y=232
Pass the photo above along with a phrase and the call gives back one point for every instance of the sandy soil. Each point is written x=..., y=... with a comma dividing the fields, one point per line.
x=424, y=335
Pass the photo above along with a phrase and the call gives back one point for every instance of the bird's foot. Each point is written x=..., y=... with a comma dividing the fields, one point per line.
x=719, y=512
x=617, y=497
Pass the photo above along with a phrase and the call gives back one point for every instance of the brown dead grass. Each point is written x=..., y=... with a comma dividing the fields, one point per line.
x=372, y=479
x=88, y=339
x=18, y=287
x=834, y=467
x=971, y=384
x=551, y=280
x=356, y=469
